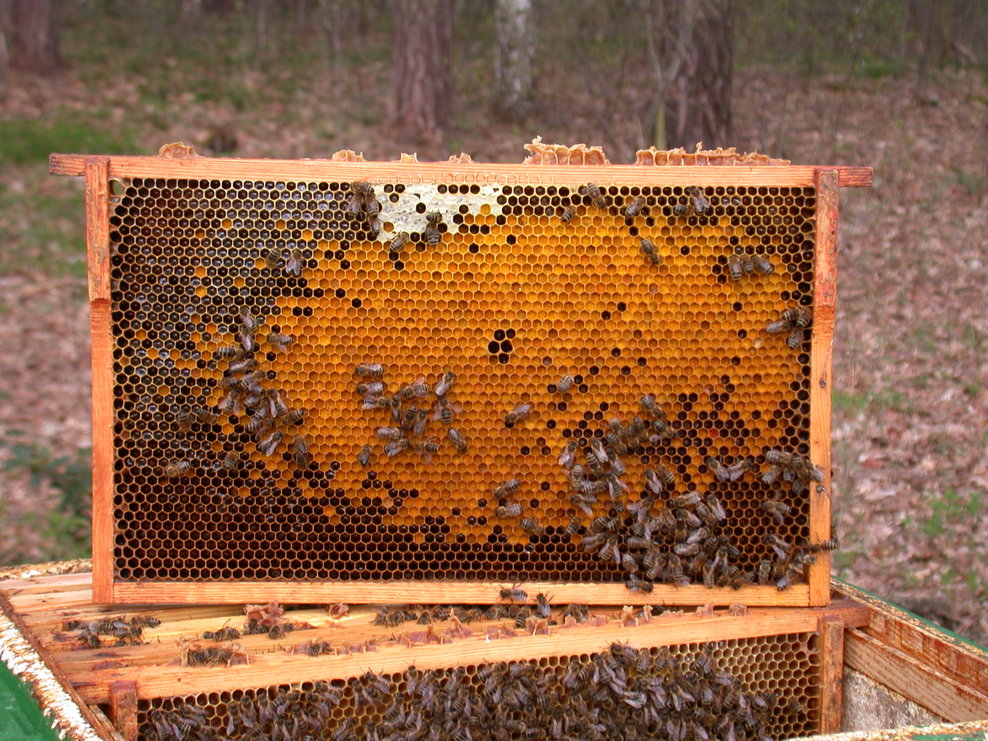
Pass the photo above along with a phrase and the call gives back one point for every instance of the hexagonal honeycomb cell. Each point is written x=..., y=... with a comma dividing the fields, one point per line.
x=345, y=381
x=742, y=688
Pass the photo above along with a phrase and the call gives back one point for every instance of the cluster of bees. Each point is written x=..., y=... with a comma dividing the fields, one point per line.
x=270, y=420
x=620, y=692
x=410, y=413
x=124, y=631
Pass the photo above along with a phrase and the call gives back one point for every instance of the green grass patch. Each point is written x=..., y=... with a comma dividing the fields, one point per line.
x=45, y=229
x=66, y=527
x=893, y=399
x=30, y=141
x=950, y=508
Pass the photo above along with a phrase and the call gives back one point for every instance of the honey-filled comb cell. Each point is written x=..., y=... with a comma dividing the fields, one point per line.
x=374, y=382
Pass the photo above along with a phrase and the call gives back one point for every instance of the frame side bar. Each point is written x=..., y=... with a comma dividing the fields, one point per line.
x=98, y=253
x=821, y=365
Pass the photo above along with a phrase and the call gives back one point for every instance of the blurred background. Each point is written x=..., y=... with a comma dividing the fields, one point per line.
x=899, y=85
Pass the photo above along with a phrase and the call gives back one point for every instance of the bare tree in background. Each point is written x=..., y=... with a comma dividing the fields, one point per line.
x=699, y=107
x=513, y=59
x=422, y=77
x=669, y=29
x=30, y=28
x=689, y=53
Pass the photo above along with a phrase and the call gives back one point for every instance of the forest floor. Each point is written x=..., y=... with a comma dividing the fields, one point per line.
x=910, y=422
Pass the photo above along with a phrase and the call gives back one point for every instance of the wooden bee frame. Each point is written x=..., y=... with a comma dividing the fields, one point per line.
x=528, y=278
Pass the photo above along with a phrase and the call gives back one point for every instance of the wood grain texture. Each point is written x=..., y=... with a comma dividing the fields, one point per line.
x=445, y=172
x=831, y=632
x=275, y=666
x=97, y=720
x=821, y=378
x=949, y=654
x=123, y=707
x=98, y=228
x=949, y=698
x=450, y=592
x=98, y=254
x=103, y=454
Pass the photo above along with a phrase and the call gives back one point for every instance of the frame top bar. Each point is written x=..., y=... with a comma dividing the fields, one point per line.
x=494, y=173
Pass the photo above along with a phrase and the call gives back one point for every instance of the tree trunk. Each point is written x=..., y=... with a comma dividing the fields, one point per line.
x=513, y=59
x=699, y=107
x=33, y=36
x=421, y=98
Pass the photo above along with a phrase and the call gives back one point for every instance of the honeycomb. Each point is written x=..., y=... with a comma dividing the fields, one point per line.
x=778, y=675
x=233, y=297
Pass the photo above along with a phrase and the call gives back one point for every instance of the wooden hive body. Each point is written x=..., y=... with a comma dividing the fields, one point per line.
x=528, y=278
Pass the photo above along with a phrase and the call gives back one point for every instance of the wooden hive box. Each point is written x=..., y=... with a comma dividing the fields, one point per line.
x=236, y=303
x=791, y=658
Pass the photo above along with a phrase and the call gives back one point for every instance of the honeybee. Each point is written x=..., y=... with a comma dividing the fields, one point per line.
x=300, y=452
x=369, y=370
x=293, y=265
x=177, y=469
x=519, y=414
x=511, y=509
x=781, y=547
x=573, y=526
x=459, y=442
x=269, y=444
x=248, y=321
x=795, y=338
x=629, y=563
x=653, y=482
x=412, y=390
x=513, y=593
x=259, y=423
x=228, y=352
x=690, y=499
x=444, y=384
x=729, y=473
x=231, y=461
x=243, y=366
x=734, y=267
x=636, y=584
x=271, y=257
x=364, y=456
x=542, y=607
x=597, y=447
x=372, y=388
x=531, y=527
x=432, y=235
x=280, y=342
x=566, y=214
x=506, y=488
x=799, y=316
x=634, y=207
x=593, y=192
x=231, y=403
x=398, y=243
x=276, y=404
x=389, y=433
x=698, y=200
x=651, y=252
x=427, y=447
x=375, y=402
x=564, y=384
x=651, y=407
x=762, y=266
x=777, y=509
x=828, y=545
x=395, y=447
x=780, y=457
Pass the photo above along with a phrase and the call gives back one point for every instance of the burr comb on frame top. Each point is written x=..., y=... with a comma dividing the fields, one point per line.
x=460, y=382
